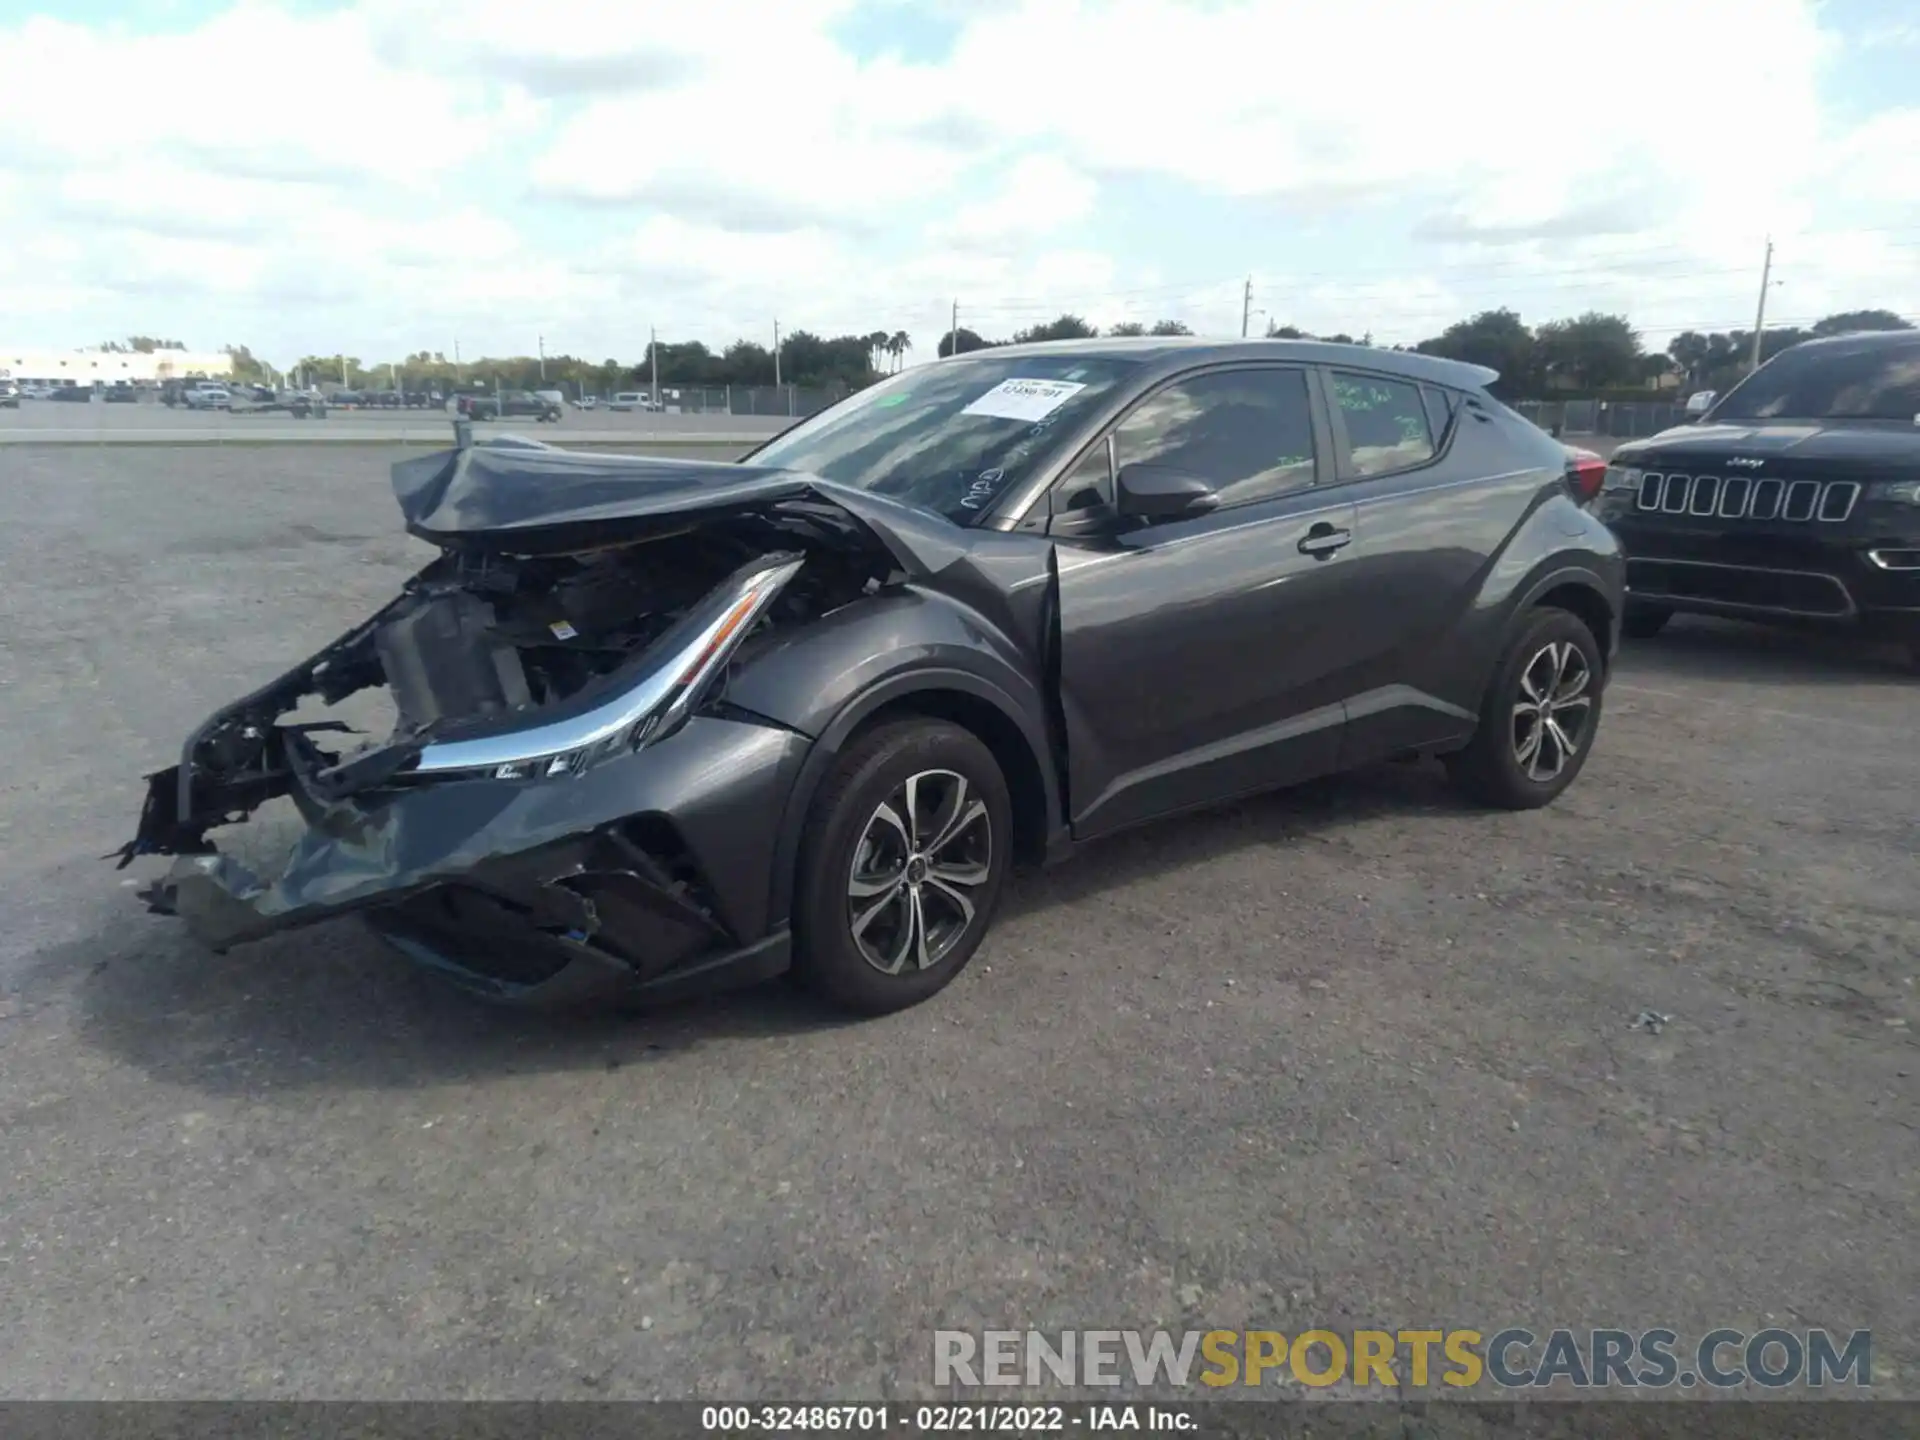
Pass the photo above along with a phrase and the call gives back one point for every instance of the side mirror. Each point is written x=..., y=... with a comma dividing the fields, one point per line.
x=1699, y=403
x=1157, y=493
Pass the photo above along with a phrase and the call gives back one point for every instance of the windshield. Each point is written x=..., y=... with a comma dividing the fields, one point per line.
x=954, y=436
x=1866, y=381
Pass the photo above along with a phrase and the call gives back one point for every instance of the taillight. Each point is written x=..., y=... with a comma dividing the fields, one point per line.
x=1585, y=473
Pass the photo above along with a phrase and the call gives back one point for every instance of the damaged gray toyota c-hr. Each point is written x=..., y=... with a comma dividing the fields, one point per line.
x=664, y=725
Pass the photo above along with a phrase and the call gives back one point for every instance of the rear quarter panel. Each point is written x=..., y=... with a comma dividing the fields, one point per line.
x=1462, y=547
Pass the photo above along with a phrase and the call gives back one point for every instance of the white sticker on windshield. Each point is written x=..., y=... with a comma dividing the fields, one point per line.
x=1027, y=400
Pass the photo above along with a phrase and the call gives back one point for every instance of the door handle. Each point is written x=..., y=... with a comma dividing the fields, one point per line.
x=1324, y=539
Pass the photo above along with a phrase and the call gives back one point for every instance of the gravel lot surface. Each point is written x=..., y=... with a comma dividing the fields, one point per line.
x=1346, y=1056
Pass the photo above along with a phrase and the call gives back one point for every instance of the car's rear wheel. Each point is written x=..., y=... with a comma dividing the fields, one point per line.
x=1643, y=622
x=1539, y=717
x=902, y=865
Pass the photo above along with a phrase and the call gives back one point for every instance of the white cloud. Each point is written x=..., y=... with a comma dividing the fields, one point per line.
x=390, y=169
x=1040, y=195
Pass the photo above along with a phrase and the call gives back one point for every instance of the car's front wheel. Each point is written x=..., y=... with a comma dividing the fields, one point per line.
x=902, y=865
x=1539, y=717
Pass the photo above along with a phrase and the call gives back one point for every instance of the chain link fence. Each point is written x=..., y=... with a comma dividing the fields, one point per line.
x=1615, y=419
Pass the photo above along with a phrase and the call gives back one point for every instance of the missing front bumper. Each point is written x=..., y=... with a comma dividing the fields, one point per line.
x=648, y=875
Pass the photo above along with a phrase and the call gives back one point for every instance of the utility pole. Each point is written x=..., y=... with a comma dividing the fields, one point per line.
x=953, y=333
x=1246, y=307
x=456, y=365
x=343, y=372
x=541, y=341
x=653, y=358
x=776, y=354
x=1760, y=314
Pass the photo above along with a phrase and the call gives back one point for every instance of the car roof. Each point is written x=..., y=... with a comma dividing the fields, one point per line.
x=1864, y=340
x=1179, y=352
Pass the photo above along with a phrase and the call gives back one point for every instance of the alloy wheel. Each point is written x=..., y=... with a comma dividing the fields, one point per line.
x=923, y=852
x=1552, y=714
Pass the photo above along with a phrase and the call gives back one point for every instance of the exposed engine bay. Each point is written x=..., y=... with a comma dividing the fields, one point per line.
x=483, y=637
x=486, y=641
x=513, y=826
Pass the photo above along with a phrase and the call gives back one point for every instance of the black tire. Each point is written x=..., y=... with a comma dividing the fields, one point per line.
x=1643, y=622
x=1496, y=768
x=874, y=772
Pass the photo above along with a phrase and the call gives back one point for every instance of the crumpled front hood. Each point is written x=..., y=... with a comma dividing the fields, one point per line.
x=528, y=498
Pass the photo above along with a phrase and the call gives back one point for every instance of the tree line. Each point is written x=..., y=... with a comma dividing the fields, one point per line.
x=1589, y=353
x=840, y=363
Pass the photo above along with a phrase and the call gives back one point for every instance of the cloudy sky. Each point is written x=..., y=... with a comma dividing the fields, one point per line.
x=395, y=175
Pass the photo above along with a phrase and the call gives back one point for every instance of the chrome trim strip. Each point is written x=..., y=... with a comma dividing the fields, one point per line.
x=1910, y=560
x=1847, y=488
x=622, y=712
x=1799, y=490
x=1740, y=497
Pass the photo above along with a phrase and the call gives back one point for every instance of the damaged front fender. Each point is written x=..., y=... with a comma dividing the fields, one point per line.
x=656, y=866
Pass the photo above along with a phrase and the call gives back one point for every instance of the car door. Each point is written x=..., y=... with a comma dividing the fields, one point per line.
x=1198, y=659
x=1437, y=490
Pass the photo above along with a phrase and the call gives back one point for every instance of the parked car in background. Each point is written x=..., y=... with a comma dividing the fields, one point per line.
x=630, y=400
x=511, y=404
x=175, y=392
x=558, y=398
x=207, y=397
x=9, y=395
x=36, y=391
x=586, y=402
x=666, y=724
x=121, y=394
x=1795, y=498
x=77, y=394
x=300, y=404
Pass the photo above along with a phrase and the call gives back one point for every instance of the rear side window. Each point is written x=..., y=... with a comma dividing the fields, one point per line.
x=1248, y=432
x=1439, y=412
x=1386, y=422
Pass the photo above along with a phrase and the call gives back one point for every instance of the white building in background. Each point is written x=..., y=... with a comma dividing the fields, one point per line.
x=108, y=367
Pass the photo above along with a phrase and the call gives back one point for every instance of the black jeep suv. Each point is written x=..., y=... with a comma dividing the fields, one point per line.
x=1796, y=498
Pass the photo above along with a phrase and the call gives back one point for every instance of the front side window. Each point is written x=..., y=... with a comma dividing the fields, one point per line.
x=955, y=436
x=1386, y=420
x=1249, y=433
x=1870, y=380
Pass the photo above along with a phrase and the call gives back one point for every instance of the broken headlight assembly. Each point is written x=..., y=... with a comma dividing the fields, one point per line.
x=640, y=710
